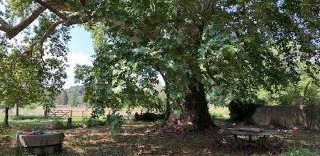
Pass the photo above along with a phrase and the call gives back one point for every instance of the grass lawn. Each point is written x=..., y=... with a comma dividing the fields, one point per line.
x=139, y=138
x=219, y=112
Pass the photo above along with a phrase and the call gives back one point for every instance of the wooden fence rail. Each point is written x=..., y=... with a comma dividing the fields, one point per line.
x=60, y=113
x=69, y=113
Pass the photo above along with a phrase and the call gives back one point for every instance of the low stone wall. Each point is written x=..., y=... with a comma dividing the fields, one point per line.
x=313, y=117
x=291, y=117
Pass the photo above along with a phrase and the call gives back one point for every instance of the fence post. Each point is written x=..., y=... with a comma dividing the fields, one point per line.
x=46, y=111
x=69, y=122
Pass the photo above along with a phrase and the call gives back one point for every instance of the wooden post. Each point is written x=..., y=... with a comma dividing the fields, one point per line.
x=46, y=111
x=69, y=122
x=6, y=117
x=17, y=109
x=82, y=114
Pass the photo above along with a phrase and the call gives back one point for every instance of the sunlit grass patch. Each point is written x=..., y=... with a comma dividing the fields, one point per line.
x=219, y=112
x=27, y=117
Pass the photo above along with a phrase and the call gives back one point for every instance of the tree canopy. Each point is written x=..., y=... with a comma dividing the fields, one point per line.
x=234, y=47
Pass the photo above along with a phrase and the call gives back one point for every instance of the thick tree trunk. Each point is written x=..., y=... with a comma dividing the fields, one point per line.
x=17, y=109
x=196, y=106
x=6, y=117
x=168, y=110
x=195, y=109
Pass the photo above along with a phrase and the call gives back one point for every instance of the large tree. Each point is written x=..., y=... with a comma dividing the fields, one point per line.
x=195, y=45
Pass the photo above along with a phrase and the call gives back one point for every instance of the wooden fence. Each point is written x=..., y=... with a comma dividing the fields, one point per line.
x=69, y=113
x=60, y=113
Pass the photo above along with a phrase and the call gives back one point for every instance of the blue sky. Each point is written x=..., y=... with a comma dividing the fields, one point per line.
x=81, y=50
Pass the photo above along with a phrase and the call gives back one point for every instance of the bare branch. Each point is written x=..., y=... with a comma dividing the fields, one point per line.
x=3, y=25
x=53, y=6
x=12, y=31
x=44, y=4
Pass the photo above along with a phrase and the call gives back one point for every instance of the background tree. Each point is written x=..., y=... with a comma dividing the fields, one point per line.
x=26, y=80
x=31, y=74
x=73, y=101
x=62, y=98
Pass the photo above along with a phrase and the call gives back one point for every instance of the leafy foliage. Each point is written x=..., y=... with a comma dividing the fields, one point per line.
x=28, y=73
x=93, y=122
x=304, y=92
x=183, y=47
x=115, y=121
x=232, y=47
x=72, y=96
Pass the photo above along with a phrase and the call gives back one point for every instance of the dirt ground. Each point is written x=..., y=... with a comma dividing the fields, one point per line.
x=140, y=138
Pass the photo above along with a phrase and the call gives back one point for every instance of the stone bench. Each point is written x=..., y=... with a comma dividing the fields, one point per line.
x=41, y=144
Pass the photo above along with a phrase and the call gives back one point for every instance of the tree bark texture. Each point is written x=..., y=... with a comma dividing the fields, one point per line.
x=46, y=111
x=6, y=117
x=196, y=106
x=195, y=109
x=17, y=110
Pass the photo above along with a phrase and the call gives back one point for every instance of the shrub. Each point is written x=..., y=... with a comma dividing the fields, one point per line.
x=242, y=111
x=115, y=121
x=93, y=122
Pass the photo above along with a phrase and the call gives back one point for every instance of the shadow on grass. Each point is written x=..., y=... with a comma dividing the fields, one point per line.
x=138, y=138
x=13, y=151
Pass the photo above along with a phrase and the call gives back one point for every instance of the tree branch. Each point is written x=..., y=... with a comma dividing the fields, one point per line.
x=12, y=31
x=49, y=31
x=53, y=6
x=67, y=22
x=44, y=4
x=3, y=25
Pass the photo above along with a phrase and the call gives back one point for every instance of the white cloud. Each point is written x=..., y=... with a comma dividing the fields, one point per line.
x=75, y=58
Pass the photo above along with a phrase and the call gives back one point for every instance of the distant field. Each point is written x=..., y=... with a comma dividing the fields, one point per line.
x=76, y=111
